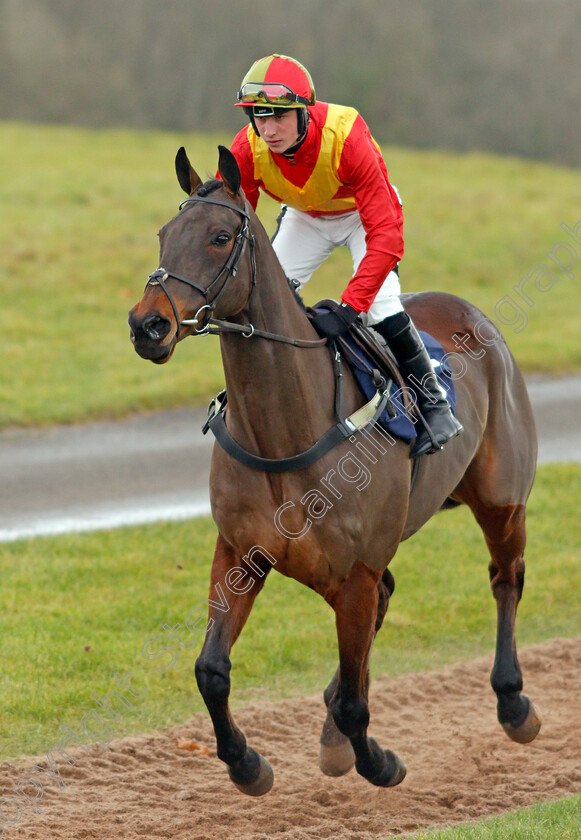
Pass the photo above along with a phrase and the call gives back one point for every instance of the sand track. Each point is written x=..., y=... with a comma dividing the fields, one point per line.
x=460, y=764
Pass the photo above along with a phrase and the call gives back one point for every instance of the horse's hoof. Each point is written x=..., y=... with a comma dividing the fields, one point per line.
x=253, y=775
x=336, y=756
x=392, y=774
x=527, y=731
x=336, y=760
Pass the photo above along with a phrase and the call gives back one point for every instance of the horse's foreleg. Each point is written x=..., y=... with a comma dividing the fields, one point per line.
x=504, y=529
x=356, y=612
x=336, y=756
x=231, y=599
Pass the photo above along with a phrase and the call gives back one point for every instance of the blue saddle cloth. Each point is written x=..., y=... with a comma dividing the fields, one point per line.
x=401, y=426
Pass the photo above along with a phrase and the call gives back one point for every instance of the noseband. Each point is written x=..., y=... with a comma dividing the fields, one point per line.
x=230, y=268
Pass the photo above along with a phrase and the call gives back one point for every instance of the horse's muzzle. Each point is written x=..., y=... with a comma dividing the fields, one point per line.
x=148, y=334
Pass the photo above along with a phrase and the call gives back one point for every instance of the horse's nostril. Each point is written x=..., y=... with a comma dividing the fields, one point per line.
x=156, y=327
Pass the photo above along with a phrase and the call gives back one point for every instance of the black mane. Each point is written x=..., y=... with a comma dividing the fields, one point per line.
x=297, y=297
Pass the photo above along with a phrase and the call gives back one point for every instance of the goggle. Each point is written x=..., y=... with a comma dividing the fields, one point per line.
x=252, y=93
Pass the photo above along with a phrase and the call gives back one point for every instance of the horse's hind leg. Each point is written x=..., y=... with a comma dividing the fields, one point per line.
x=504, y=531
x=231, y=600
x=336, y=756
x=356, y=611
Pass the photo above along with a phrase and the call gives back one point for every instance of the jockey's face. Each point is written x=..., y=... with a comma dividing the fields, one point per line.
x=279, y=132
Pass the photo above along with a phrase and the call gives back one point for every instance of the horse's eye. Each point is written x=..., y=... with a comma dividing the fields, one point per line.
x=221, y=239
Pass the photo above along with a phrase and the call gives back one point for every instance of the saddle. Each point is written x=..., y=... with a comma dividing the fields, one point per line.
x=370, y=342
x=390, y=403
x=368, y=355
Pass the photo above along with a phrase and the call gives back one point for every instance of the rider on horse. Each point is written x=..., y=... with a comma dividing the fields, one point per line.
x=322, y=163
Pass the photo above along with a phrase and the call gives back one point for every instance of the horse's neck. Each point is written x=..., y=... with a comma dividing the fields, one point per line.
x=278, y=394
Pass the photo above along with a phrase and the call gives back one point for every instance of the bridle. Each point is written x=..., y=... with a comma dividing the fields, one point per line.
x=213, y=326
x=230, y=268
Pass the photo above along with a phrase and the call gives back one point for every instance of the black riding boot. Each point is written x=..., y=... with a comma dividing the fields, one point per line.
x=411, y=355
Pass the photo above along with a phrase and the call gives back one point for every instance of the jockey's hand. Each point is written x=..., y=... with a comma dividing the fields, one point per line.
x=332, y=324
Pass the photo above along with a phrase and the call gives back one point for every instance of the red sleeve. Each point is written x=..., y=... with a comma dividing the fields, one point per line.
x=363, y=169
x=242, y=151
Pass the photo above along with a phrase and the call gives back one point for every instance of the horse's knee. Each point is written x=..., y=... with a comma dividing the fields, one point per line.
x=213, y=677
x=351, y=716
x=507, y=578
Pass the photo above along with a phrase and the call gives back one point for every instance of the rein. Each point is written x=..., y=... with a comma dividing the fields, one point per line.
x=248, y=330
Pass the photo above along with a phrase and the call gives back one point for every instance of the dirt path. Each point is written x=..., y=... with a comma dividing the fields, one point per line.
x=460, y=766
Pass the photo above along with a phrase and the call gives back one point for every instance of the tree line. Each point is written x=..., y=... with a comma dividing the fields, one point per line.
x=497, y=75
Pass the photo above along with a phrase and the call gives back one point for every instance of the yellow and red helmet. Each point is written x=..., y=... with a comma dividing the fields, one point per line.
x=277, y=81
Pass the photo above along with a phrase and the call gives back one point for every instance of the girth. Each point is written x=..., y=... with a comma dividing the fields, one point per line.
x=345, y=428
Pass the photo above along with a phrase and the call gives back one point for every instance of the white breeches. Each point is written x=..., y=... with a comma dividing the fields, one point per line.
x=302, y=243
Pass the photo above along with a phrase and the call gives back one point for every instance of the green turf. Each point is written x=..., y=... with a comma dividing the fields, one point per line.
x=559, y=820
x=76, y=610
x=80, y=211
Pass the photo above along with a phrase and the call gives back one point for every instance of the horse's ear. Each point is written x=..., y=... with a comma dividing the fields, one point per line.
x=229, y=171
x=188, y=178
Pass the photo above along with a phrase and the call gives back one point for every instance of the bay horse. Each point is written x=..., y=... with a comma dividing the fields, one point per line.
x=219, y=267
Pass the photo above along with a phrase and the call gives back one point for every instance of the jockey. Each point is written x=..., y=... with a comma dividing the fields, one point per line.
x=321, y=162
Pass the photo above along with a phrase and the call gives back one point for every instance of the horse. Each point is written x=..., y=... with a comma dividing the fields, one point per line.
x=220, y=273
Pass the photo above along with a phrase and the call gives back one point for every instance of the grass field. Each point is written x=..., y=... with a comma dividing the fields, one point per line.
x=76, y=610
x=553, y=821
x=81, y=210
